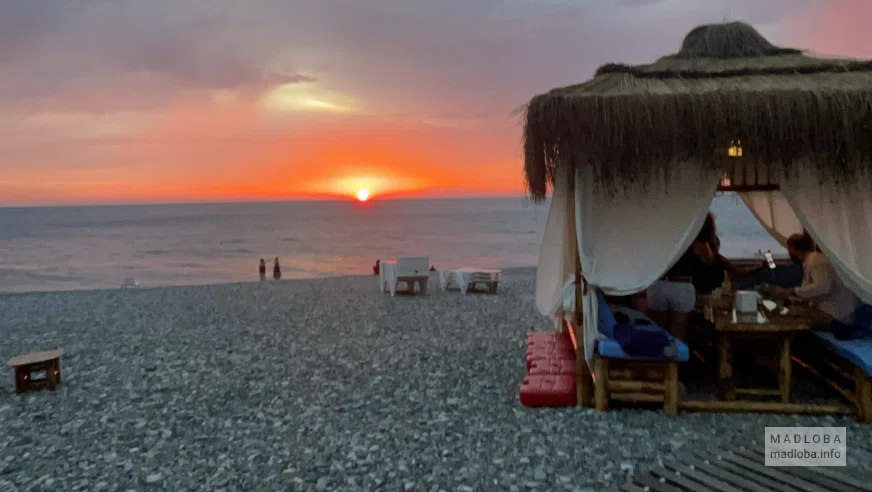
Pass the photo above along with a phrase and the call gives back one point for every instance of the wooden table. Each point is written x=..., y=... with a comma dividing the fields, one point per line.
x=781, y=329
x=778, y=328
x=26, y=365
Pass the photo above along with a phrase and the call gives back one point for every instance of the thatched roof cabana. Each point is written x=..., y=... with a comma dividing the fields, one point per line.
x=726, y=84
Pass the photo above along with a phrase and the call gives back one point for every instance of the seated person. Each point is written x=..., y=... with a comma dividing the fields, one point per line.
x=835, y=304
x=708, y=276
x=673, y=297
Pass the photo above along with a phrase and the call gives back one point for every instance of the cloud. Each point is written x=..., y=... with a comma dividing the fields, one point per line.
x=399, y=53
x=140, y=53
x=194, y=91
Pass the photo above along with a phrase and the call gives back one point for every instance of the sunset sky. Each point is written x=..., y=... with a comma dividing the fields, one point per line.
x=131, y=101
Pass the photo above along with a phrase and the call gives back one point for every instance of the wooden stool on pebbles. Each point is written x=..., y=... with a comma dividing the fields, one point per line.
x=26, y=365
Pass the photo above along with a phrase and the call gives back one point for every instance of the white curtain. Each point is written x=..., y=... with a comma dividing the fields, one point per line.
x=556, y=272
x=626, y=242
x=774, y=212
x=840, y=222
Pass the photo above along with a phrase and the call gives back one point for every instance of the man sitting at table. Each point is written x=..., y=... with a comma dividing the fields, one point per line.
x=834, y=303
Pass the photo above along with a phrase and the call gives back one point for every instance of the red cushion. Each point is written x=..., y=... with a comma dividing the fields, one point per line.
x=550, y=344
x=549, y=354
x=544, y=336
x=563, y=366
x=552, y=351
x=548, y=390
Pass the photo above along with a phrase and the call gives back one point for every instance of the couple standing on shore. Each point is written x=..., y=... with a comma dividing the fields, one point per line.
x=277, y=270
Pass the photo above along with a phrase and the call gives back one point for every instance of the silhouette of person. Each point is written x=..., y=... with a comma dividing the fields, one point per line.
x=262, y=269
x=277, y=270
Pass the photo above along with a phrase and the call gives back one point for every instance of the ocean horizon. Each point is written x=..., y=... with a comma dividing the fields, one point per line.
x=97, y=246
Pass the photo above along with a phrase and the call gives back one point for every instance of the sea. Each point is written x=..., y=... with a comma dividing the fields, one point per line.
x=97, y=247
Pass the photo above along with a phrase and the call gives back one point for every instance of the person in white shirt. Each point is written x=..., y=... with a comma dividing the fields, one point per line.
x=832, y=300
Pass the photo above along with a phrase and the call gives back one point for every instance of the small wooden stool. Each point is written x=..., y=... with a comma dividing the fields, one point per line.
x=26, y=365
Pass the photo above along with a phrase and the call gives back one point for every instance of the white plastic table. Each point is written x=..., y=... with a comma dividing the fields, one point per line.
x=384, y=266
x=467, y=278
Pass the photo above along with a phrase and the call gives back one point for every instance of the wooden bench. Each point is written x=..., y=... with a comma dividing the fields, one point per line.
x=619, y=376
x=845, y=365
x=737, y=470
x=26, y=365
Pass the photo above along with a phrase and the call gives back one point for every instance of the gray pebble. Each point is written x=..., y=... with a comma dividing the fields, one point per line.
x=321, y=385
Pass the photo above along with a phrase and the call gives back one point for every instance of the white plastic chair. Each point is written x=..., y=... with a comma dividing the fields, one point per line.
x=405, y=270
x=468, y=278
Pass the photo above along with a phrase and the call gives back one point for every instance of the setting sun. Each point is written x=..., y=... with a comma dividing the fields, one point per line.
x=362, y=195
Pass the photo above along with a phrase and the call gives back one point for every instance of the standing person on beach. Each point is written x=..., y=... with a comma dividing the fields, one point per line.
x=262, y=270
x=277, y=270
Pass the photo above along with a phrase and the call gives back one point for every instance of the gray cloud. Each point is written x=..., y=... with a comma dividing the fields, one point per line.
x=449, y=55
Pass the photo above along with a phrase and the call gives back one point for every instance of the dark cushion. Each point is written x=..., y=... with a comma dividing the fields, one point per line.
x=608, y=346
x=605, y=318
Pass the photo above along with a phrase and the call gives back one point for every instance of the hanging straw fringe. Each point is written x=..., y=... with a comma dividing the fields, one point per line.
x=728, y=83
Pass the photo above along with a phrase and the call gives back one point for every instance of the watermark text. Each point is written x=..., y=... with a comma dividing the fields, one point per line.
x=806, y=446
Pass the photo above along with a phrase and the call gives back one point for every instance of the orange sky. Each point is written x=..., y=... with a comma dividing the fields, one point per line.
x=159, y=102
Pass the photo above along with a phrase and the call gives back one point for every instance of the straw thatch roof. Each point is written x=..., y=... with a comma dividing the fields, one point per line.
x=727, y=82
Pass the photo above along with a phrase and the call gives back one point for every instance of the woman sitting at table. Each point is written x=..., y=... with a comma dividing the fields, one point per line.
x=708, y=276
x=673, y=297
x=834, y=303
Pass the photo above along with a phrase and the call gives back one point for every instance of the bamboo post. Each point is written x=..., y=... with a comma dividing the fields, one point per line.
x=863, y=394
x=601, y=390
x=725, y=368
x=670, y=391
x=764, y=407
x=785, y=369
x=618, y=386
x=583, y=380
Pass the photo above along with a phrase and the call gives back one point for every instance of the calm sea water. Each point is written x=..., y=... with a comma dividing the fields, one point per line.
x=97, y=247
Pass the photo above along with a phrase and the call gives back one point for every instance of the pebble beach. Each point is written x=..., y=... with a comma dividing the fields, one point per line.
x=321, y=384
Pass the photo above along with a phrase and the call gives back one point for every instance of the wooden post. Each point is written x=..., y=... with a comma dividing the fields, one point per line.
x=670, y=390
x=21, y=379
x=726, y=384
x=785, y=369
x=601, y=391
x=863, y=394
x=583, y=380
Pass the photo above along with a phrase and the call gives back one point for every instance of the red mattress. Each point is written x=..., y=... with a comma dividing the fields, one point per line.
x=560, y=366
x=548, y=336
x=548, y=390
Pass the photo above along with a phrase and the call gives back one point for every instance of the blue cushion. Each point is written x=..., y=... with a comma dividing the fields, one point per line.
x=858, y=350
x=605, y=318
x=607, y=346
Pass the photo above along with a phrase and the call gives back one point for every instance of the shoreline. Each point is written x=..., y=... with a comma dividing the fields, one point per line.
x=269, y=280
